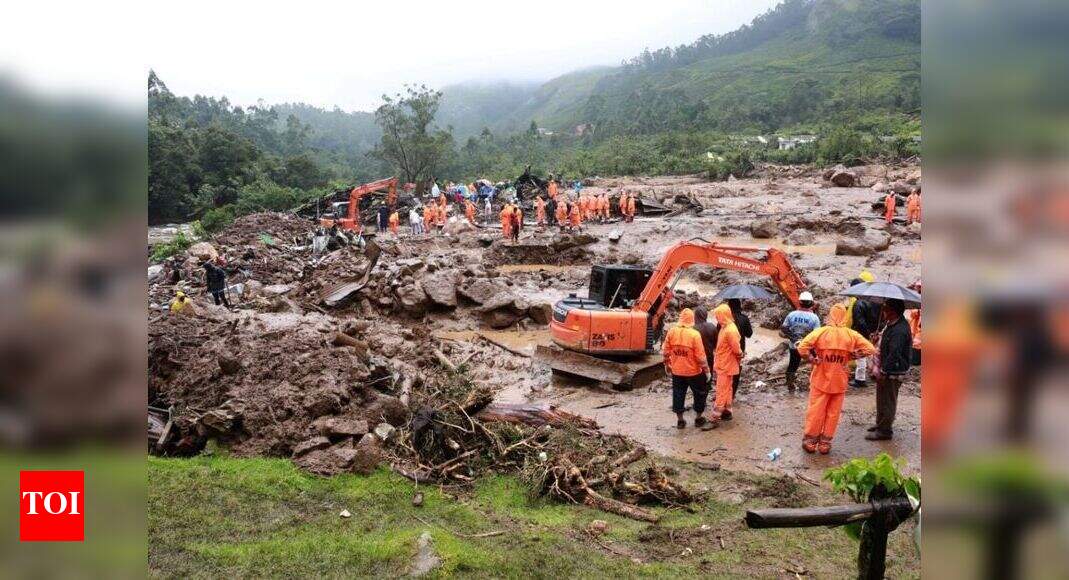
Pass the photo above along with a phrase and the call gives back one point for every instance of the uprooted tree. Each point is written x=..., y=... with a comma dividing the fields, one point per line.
x=409, y=140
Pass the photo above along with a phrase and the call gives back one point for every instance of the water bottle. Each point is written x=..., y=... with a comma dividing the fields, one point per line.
x=774, y=454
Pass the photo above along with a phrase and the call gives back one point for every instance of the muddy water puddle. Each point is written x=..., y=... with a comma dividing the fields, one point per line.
x=763, y=421
x=523, y=341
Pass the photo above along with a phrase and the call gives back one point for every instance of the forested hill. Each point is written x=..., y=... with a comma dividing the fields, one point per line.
x=804, y=62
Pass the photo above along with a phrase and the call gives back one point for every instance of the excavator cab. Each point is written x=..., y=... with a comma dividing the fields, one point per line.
x=617, y=286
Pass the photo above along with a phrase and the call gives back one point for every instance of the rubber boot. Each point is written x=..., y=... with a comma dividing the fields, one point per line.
x=824, y=445
x=790, y=382
x=809, y=444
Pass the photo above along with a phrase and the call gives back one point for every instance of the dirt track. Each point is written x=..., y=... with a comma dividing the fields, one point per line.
x=399, y=324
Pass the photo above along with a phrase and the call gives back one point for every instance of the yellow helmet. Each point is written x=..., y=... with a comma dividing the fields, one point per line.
x=179, y=294
x=867, y=276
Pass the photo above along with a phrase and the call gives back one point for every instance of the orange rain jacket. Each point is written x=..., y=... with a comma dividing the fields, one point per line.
x=552, y=190
x=506, y=220
x=683, y=351
x=394, y=221
x=623, y=203
x=834, y=345
x=562, y=213
x=728, y=342
x=469, y=211
x=576, y=216
x=540, y=210
x=631, y=205
x=889, y=207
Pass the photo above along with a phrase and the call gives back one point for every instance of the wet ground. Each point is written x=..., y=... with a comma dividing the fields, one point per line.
x=766, y=416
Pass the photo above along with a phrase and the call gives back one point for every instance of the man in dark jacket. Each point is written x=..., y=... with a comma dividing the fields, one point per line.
x=216, y=279
x=896, y=344
x=864, y=318
x=742, y=322
x=551, y=211
x=708, y=330
x=383, y=218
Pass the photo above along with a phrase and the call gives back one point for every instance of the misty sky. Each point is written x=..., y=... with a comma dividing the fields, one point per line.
x=346, y=53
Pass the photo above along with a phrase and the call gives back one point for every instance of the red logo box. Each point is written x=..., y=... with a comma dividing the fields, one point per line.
x=51, y=506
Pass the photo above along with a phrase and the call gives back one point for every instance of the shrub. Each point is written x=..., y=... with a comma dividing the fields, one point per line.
x=179, y=244
x=216, y=219
x=844, y=146
x=738, y=162
x=867, y=479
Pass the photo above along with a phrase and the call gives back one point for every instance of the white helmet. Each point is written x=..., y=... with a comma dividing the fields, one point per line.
x=805, y=297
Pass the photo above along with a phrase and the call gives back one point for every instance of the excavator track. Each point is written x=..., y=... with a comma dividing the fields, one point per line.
x=619, y=375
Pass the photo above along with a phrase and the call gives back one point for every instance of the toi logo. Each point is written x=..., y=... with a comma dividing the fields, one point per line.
x=51, y=506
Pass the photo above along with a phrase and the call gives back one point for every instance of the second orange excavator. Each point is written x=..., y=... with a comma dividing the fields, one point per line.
x=351, y=221
x=610, y=336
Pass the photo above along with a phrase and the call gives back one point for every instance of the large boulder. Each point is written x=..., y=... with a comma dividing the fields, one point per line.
x=481, y=290
x=504, y=310
x=844, y=178
x=879, y=187
x=871, y=242
x=456, y=226
x=412, y=299
x=203, y=251
x=540, y=313
x=800, y=237
x=441, y=288
x=764, y=229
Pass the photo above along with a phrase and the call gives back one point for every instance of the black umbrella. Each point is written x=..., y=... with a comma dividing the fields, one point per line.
x=880, y=292
x=744, y=292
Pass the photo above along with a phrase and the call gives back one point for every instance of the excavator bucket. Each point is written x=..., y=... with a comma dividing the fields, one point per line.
x=619, y=375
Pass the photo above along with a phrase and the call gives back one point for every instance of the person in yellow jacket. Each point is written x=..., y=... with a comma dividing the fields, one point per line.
x=726, y=361
x=179, y=302
x=684, y=360
x=829, y=348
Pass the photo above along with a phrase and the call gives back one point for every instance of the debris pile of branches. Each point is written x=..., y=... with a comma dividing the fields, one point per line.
x=528, y=185
x=458, y=432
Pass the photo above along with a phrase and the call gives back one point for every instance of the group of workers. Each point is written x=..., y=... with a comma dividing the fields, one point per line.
x=913, y=206
x=697, y=351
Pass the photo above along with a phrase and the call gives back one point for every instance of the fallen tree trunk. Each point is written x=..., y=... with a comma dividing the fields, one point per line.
x=532, y=415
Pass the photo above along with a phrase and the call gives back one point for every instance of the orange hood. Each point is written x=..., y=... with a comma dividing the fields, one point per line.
x=723, y=315
x=686, y=317
x=837, y=316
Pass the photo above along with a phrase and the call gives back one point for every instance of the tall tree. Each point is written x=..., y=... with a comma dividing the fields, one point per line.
x=409, y=140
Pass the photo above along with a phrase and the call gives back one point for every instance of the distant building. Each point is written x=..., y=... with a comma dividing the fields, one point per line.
x=544, y=131
x=584, y=129
x=788, y=143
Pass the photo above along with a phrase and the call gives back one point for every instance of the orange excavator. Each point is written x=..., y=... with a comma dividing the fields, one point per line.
x=351, y=221
x=610, y=335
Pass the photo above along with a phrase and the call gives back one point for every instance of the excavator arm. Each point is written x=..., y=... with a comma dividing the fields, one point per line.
x=655, y=296
x=352, y=219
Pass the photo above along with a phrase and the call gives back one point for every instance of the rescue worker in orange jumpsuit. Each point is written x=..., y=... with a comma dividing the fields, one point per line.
x=623, y=204
x=562, y=214
x=506, y=221
x=725, y=362
x=889, y=207
x=552, y=188
x=395, y=220
x=630, y=208
x=442, y=215
x=540, y=211
x=685, y=361
x=576, y=217
x=469, y=211
x=913, y=206
x=428, y=217
x=603, y=206
x=829, y=348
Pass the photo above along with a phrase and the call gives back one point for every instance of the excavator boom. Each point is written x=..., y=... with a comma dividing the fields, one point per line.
x=351, y=221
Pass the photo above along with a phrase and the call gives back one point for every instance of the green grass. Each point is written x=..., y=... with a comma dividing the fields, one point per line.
x=218, y=516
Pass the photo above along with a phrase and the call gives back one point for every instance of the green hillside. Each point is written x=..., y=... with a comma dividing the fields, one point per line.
x=804, y=62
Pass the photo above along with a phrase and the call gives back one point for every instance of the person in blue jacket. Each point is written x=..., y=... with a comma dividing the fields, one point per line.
x=795, y=327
